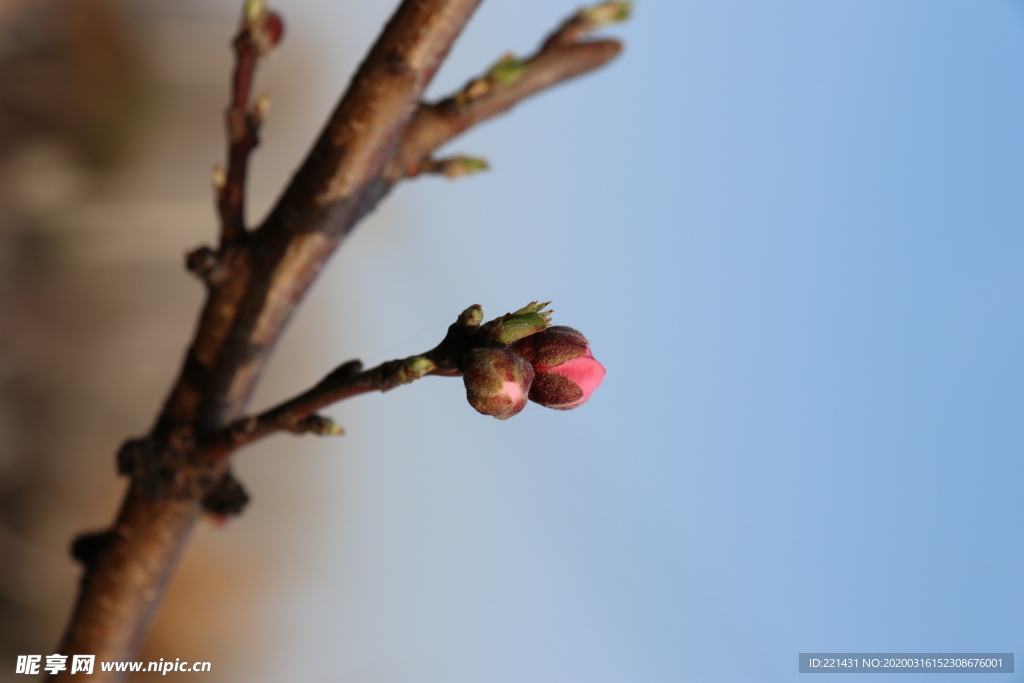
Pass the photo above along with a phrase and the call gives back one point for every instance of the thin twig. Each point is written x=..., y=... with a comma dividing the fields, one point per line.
x=298, y=414
x=291, y=414
x=258, y=32
x=563, y=55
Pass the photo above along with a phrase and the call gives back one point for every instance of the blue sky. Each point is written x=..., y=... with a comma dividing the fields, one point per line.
x=792, y=233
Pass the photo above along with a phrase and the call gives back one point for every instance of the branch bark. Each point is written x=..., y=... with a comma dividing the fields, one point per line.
x=259, y=31
x=378, y=134
x=562, y=57
x=298, y=414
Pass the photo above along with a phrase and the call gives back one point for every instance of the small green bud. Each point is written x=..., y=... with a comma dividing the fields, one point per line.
x=526, y=321
x=472, y=316
x=463, y=165
x=415, y=367
x=318, y=424
x=254, y=8
x=454, y=167
x=506, y=70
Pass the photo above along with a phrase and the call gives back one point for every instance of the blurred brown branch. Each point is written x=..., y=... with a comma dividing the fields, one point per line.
x=378, y=134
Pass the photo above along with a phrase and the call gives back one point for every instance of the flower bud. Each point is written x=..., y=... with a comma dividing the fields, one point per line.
x=566, y=371
x=273, y=28
x=497, y=382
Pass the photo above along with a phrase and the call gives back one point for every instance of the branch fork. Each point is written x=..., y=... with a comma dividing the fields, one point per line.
x=299, y=414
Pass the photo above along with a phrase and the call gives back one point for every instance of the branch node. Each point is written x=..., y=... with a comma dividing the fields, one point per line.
x=343, y=371
x=157, y=467
x=505, y=71
x=132, y=456
x=206, y=264
x=257, y=114
x=398, y=372
x=227, y=498
x=243, y=428
x=86, y=547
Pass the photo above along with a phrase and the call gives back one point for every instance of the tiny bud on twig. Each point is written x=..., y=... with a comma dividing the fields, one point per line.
x=591, y=19
x=317, y=424
x=205, y=264
x=605, y=13
x=343, y=371
x=505, y=71
x=258, y=112
x=220, y=178
x=454, y=167
x=253, y=9
x=271, y=32
x=472, y=316
x=227, y=499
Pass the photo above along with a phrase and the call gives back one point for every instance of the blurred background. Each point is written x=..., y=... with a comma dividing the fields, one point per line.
x=791, y=231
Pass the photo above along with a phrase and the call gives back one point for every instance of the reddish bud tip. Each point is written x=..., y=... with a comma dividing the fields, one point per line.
x=566, y=371
x=273, y=29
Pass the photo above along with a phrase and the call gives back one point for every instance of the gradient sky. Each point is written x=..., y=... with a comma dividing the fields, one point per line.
x=792, y=232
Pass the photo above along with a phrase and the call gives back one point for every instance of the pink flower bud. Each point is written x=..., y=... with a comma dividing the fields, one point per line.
x=566, y=371
x=497, y=382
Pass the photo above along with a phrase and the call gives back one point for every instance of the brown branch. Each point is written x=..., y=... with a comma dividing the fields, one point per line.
x=339, y=182
x=376, y=135
x=298, y=414
x=294, y=414
x=243, y=316
x=562, y=56
x=258, y=33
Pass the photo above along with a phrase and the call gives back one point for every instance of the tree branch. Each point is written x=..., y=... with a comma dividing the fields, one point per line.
x=298, y=414
x=258, y=33
x=378, y=134
x=245, y=311
x=294, y=414
x=562, y=56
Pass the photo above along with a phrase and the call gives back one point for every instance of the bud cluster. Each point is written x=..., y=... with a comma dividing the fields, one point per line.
x=528, y=359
